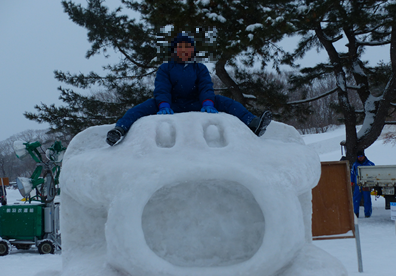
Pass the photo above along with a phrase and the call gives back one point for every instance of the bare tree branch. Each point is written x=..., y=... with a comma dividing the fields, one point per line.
x=376, y=43
x=132, y=60
x=315, y=98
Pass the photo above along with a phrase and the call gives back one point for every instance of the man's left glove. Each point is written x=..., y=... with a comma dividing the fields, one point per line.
x=208, y=106
x=115, y=135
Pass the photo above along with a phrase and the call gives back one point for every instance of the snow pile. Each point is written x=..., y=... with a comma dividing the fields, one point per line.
x=191, y=194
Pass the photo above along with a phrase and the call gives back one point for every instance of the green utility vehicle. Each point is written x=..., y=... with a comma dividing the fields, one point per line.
x=35, y=222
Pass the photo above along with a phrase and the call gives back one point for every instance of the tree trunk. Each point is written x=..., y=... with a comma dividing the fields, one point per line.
x=223, y=75
x=3, y=173
x=382, y=104
x=346, y=108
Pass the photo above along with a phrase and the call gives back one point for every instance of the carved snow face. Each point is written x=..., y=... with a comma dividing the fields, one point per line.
x=187, y=194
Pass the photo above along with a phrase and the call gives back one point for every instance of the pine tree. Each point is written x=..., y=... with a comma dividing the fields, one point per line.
x=82, y=111
x=363, y=24
x=246, y=35
x=245, y=30
x=124, y=81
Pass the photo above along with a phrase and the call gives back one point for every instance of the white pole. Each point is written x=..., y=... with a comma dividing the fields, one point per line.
x=358, y=247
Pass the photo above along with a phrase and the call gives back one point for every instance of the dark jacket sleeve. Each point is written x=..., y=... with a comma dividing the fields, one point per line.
x=205, y=84
x=163, y=85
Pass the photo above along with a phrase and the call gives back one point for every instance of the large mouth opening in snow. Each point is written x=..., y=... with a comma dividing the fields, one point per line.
x=204, y=223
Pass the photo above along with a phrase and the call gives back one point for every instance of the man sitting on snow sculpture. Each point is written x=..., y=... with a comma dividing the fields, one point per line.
x=183, y=85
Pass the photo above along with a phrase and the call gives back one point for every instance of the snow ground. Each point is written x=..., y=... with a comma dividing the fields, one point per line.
x=378, y=236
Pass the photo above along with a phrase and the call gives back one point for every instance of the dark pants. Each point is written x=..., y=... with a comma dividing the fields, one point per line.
x=149, y=107
x=358, y=193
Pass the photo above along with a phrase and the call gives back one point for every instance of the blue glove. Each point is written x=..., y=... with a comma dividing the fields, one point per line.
x=208, y=106
x=164, y=108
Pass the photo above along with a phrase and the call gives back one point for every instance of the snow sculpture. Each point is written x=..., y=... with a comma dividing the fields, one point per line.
x=191, y=194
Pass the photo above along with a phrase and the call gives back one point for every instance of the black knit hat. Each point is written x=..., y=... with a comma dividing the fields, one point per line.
x=181, y=37
x=360, y=152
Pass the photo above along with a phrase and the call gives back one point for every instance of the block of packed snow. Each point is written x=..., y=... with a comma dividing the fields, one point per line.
x=190, y=194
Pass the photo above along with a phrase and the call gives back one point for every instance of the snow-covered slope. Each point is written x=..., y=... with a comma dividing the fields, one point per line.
x=327, y=145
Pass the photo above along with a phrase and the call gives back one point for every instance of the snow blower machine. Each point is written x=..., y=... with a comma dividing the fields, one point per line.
x=36, y=221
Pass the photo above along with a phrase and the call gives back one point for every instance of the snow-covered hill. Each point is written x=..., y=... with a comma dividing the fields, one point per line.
x=378, y=237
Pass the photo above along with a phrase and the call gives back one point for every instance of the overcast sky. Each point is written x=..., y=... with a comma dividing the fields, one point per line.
x=36, y=38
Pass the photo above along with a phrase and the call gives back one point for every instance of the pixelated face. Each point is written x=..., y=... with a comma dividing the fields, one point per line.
x=184, y=50
x=361, y=158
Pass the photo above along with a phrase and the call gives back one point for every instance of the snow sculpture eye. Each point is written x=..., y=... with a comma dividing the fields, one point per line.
x=214, y=136
x=165, y=135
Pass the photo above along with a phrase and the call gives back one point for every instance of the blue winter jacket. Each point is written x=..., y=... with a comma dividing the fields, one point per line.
x=181, y=83
x=354, y=170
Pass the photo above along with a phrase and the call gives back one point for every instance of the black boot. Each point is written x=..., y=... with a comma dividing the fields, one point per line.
x=115, y=136
x=259, y=124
